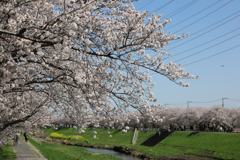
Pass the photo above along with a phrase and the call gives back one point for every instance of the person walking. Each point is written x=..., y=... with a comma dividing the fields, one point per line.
x=169, y=130
x=16, y=139
x=159, y=132
x=13, y=140
x=25, y=135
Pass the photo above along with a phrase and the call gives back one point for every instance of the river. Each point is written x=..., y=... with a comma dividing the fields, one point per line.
x=106, y=151
x=113, y=153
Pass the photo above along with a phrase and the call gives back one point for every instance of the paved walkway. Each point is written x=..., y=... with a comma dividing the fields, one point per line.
x=24, y=153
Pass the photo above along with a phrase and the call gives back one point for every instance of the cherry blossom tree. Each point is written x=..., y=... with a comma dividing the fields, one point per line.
x=79, y=57
x=170, y=117
x=217, y=116
x=190, y=117
x=236, y=117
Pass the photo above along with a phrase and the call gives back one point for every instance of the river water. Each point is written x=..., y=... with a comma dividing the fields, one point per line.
x=106, y=151
x=113, y=153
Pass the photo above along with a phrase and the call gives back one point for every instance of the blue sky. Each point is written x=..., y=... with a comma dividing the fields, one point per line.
x=204, y=20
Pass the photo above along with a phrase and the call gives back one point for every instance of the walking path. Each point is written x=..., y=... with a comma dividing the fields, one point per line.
x=24, y=153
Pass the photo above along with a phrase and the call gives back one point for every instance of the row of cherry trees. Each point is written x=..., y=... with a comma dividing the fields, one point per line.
x=193, y=118
x=78, y=57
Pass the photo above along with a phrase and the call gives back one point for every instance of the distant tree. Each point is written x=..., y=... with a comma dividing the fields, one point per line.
x=218, y=117
x=190, y=117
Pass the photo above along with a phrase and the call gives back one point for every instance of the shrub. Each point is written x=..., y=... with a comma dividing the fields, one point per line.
x=56, y=135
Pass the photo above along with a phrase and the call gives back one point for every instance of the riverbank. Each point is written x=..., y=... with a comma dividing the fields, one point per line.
x=56, y=151
x=179, y=144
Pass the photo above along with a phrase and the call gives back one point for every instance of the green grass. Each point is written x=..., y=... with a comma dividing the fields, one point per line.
x=6, y=152
x=118, y=137
x=61, y=130
x=220, y=145
x=64, y=152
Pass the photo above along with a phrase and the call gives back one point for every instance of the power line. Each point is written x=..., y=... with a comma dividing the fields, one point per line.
x=231, y=106
x=146, y=4
x=191, y=102
x=200, y=102
x=208, y=101
x=233, y=99
x=194, y=14
x=181, y=9
x=138, y=4
x=208, y=47
x=176, y=103
x=203, y=43
x=212, y=55
x=204, y=16
x=204, y=29
x=162, y=6
x=206, y=57
x=208, y=30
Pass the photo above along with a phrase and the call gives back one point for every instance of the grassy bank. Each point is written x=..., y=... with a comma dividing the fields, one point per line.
x=118, y=137
x=219, y=145
x=65, y=152
x=6, y=152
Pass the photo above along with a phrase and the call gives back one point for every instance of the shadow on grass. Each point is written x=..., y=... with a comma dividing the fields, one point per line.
x=193, y=134
x=62, y=128
x=117, y=132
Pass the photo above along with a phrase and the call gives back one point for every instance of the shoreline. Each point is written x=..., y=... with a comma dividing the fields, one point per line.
x=129, y=150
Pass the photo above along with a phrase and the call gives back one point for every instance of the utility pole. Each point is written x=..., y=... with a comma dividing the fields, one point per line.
x=166, y=105
x=223, y=101
x=188, y=103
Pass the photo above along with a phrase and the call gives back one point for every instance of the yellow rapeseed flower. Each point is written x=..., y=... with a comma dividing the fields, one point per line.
x=72, y=137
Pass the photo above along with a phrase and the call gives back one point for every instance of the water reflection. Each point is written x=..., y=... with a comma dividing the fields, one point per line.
x=113, y=153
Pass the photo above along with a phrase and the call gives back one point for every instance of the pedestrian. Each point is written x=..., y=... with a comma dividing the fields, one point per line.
x=159, y=132
x=16, y=139
x=169, y=130
x=13, y=140
x=25, y=135
x=220, y=129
